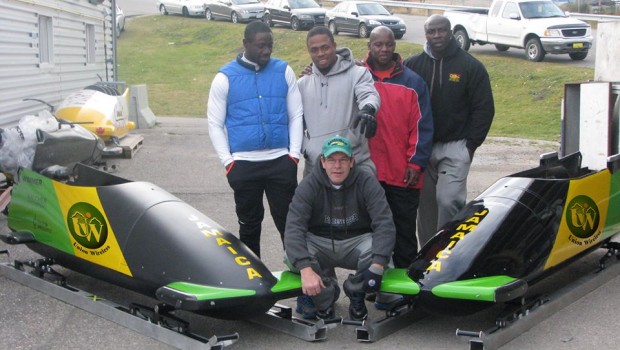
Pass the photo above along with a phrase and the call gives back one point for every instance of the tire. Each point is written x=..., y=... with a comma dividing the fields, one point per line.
x=267, y=20
x=501, y=48
x=208, y=15
x=295, y=23
x=534, y=50
x=463, y=39
x=185, y=12
x=398, y=36
x=234, y=17
x=162, y=10
x=332, y=27
x=362, y=31
x=578, y=56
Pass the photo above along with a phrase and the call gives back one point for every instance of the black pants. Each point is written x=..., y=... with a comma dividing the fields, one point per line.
x=277, y=179
x=404, y=205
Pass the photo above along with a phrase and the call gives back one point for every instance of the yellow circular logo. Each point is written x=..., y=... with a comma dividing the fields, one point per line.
x=87, y=225
x=582, y=216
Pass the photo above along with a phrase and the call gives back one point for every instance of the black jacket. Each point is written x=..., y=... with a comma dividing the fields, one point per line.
x=461, y=96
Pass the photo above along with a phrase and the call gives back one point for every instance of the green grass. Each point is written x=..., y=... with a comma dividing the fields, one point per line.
x=177, y=58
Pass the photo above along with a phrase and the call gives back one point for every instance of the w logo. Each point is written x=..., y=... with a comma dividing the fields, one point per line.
x=87, y=225
x=582, y=216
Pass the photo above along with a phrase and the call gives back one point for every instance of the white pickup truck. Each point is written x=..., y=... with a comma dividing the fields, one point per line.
x=539, y=26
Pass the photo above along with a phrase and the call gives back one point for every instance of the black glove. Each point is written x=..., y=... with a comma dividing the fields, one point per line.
x=372, y=279
x=367, y=281
x=367, y=121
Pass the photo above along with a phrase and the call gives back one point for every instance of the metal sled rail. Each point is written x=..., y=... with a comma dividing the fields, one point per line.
x=115, y=312
x=281, y=319
x=554, y=302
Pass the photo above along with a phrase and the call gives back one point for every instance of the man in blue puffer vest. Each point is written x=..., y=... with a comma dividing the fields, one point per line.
x=255, y=124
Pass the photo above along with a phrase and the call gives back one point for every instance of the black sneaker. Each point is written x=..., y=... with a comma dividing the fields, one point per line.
x=326, y=314
x=357, y=308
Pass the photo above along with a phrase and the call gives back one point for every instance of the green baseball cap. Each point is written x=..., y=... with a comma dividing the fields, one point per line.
x=337, y=144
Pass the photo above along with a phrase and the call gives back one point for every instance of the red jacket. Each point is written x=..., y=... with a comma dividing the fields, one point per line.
x=404, y=125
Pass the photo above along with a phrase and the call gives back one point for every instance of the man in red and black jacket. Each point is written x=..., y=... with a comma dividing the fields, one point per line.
x=403, y=142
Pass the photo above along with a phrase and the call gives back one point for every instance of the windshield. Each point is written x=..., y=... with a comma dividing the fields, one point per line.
x=242, y=2
x=303, y=4
x=371, y=9
x=540, y=9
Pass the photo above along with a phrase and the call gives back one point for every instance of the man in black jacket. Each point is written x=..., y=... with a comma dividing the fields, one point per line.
x=463, y=110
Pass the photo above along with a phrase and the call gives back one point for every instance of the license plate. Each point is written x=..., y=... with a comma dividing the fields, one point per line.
x=577, y=45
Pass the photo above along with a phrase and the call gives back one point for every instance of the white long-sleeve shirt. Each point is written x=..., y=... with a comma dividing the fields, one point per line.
x=216, y=114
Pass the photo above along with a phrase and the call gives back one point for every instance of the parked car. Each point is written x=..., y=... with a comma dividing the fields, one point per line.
x=182, y=7
x=234, y=10
x=361, y=17
x=298, y=14
x=120, y=21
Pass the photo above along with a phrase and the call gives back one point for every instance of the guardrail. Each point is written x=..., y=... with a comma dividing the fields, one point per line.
x=443, y=7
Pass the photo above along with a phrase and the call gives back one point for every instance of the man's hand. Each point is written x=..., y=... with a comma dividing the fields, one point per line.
x=411, y=177
x=372, y=278
x=366, y=120
x=471, y=154
x=307, y=71
x=229, y=167
x=311, y=282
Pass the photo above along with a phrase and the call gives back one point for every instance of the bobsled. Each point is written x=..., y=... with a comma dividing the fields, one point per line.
x=101, y=109
x=140, y=237
x=523, y=228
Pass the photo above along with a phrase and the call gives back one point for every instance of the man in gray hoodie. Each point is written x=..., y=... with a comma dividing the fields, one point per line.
x=339, y=98
x=339, y=217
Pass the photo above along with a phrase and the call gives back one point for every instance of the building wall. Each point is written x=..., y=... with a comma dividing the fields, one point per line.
x=22, y=75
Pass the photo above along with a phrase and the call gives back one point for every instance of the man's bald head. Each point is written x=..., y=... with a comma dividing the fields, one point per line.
x=381, y=31
x=437, y=21
x=381, y=46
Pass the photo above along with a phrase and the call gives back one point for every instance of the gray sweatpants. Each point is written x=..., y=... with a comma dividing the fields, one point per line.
x=445, y=187
x=353, y=254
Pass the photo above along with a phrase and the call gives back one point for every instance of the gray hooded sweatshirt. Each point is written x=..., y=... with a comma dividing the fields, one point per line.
x=331, y=103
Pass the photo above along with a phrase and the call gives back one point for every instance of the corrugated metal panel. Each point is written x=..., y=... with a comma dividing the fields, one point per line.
x=21, y=74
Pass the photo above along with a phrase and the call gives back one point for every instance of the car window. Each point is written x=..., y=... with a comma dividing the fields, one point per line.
x=303, y=4
x=371, y=9
x=496, y=8
x=511, y=7
x=540, y=9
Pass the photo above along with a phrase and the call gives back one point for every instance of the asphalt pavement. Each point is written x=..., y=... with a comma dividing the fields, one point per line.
x=177, y=155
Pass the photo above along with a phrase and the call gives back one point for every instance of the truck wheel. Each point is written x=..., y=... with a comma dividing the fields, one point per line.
x=501, y=48
x=578, y=56
x=534, y=50
x=463, y=39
